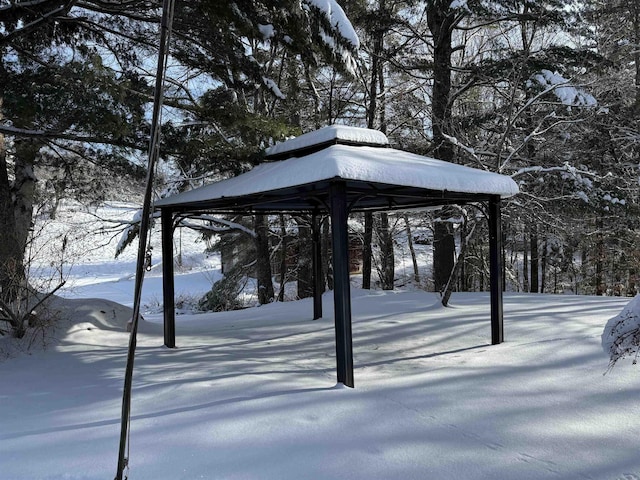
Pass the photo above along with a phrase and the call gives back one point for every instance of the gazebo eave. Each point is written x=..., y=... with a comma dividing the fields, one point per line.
x=361, y=197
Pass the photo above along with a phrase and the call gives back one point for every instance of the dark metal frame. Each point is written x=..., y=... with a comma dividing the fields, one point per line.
x=338, y=198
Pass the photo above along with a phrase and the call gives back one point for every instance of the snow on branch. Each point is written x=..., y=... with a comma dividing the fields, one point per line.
x=226, y=225
x=562, y=168
x=131, y=232
x=273, y=87
x=561, y=87
x=266, y=30
x=214, y=224
x=460, y=5
x=340, y=36
x=337, y=18
x=538, y=131
x=25, y=29
x=462, y=146
x=583, y=182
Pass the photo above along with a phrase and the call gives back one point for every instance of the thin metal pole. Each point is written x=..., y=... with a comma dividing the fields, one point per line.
x=317, y=267
x=165, y=34
x=168, y=285
x=495, y=265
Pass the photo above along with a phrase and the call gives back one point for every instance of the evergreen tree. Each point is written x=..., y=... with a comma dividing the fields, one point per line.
x=60, y=99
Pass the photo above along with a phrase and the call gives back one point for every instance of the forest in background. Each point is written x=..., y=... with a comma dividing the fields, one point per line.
x=546, y=92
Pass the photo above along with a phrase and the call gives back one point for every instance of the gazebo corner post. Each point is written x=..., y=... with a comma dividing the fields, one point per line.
x=495, y=262
x=168, y=285
x=316, y=266
x=341, y=285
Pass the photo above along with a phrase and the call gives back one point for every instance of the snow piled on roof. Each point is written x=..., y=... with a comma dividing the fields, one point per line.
x=364, y=136
x=368, y=164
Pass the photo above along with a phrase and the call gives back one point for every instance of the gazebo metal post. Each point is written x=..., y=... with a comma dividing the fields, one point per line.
x=341, y=286
x=495, y=261
x=168, y=287
x=316, y=266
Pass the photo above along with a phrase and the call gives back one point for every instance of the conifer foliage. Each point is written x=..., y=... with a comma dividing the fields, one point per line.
x=75, y=92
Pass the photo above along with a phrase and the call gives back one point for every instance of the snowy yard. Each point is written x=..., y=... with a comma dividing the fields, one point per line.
x=530, y=120
x=252, y=394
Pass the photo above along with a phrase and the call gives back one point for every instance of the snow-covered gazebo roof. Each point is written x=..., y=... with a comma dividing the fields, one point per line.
x=377, y=177
x=337, y=170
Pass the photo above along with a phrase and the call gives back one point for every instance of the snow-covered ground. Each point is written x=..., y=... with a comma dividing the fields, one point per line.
x=252, y=394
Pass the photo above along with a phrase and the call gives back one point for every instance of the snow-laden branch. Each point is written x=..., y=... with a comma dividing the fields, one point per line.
x=561, y=168
x=538, y=199
x=227, y=225
x=568, y=94
x=55, y=135
x=273, y=87
x=337, y=19
x=462, y=146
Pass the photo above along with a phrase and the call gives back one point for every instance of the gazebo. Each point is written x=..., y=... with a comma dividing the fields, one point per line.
x=338, y=170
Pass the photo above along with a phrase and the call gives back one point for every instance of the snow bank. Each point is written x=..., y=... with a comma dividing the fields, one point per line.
x=621, y=335
x=94, y=312
x=252, y=394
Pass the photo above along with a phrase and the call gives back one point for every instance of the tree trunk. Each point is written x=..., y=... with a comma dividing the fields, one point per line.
x=636, y=53
x=263, y=264
x=11, y=253
x=367, y=251
x=283, y=258
x=16, y=213
x=305, y=264
x=534, y=258
x=543, y=264
x=601, y=288
x=444, y=248
x=525, y=264
x=24, y=189
x=387, y=257
x=448, y=290
x=377, y=35
x=412, y=250
x=503, y=252
x=441, y=20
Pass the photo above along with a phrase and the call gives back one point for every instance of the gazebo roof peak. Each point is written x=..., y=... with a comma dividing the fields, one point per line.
x=322, y=138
